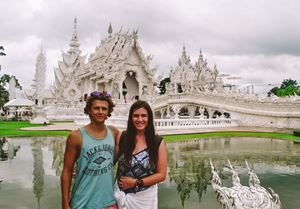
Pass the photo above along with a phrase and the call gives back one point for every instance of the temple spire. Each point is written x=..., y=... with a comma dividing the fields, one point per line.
x=74, y=41
x=184, y=57
x=40, y=76
x=200, y=58
x=110, y=30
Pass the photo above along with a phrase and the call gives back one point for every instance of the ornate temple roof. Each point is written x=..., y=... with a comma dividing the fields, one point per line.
x=19, y=103
x=198, y=77
x=113, y=52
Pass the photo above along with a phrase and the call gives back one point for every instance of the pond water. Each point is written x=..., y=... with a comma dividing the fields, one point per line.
x=30, y=169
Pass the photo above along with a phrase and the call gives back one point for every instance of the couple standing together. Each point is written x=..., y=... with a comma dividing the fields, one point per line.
x=95, y=148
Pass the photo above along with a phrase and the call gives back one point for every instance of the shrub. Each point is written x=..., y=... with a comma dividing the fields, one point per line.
x=297, y=133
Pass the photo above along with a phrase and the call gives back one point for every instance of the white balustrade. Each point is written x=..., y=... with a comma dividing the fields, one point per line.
x=161, y=124
x=193, y=123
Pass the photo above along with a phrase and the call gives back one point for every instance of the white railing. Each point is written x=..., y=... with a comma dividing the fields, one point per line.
x=279, y=107
x=160, y=124
x=193, y=123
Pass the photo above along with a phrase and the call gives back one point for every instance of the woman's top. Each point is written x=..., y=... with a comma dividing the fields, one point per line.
x=138, y=167
x=93, y=187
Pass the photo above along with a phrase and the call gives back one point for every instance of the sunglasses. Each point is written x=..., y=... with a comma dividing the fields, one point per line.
x=100, y=94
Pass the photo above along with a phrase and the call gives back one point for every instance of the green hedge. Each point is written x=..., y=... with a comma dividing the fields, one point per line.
x=297, y=133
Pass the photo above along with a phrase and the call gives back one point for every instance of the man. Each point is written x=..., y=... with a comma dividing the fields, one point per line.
x=92, y=149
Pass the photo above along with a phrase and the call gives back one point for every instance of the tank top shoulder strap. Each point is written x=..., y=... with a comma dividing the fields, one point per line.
x=109, y=132
x=82, y=131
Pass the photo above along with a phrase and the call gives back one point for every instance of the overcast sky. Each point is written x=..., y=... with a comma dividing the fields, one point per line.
x=256, y=40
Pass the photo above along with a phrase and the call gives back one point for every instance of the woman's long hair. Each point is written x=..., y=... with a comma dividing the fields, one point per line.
x=129, y=144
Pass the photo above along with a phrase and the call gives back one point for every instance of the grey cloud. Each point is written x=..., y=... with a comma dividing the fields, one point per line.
x=242, y=37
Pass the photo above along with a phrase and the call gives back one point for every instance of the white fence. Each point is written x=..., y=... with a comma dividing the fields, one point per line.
x=161, y=124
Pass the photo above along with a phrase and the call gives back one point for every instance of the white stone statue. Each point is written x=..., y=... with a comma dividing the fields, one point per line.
x=241, y=197
x=12, y=88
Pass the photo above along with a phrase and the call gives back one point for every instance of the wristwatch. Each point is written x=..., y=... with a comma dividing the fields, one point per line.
x=139, y=183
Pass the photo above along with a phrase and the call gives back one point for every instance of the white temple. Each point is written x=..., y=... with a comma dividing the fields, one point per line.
x=195, y=97
x=37, y=92
x=67, y=89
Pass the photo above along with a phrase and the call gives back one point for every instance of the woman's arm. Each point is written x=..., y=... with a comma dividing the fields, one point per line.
x=161, y=167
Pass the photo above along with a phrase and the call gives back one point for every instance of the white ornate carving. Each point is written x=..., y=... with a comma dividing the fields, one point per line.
x=188, y=78
x=119, y=67
x=37, y=91
x=66, y=88
x=243, y=197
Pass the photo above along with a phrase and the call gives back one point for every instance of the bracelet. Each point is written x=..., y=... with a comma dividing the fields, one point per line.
x=139, y=183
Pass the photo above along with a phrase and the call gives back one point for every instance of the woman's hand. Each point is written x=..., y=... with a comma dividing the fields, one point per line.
x=126, y=182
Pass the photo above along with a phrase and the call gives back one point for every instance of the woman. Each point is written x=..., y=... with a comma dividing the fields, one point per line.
x=142, y=160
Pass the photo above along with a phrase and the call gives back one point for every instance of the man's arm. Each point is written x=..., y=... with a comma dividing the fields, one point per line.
x=117, y=134
x=73, y=148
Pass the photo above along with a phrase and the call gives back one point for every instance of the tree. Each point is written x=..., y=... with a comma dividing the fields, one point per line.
x=1, y=51
x=288, y=82
x=288, y=87
x=162, y=85
x=4, y=95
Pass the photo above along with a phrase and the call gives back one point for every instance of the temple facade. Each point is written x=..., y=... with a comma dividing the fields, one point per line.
x=118, y=66
x=194, y=97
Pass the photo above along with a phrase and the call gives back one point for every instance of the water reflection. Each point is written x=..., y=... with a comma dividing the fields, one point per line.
x=58, y=149
x=189, y=165
x=38, y=169
x=7, y=150
x=189, y=175
x=34, y=178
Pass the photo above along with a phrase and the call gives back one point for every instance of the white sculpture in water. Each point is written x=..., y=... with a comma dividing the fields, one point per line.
x=238, y=196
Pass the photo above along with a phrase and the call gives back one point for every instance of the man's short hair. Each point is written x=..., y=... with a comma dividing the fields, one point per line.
x=102, y=96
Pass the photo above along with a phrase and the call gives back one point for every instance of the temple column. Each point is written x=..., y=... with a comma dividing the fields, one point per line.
x=210, y=112
x=176, y=108
x=121, y=91
x=168, y=112
x=192, y=110
x=161, y=113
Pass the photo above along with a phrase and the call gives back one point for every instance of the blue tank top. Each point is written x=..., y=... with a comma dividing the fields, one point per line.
x=93, y=186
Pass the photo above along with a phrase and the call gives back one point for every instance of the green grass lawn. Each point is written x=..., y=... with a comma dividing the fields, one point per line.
x=12, y=128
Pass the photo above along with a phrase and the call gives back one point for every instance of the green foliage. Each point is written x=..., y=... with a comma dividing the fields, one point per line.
x=288, y=87
x=273, y=91
x=162, y=85
x=1, y=51
x=297, y=133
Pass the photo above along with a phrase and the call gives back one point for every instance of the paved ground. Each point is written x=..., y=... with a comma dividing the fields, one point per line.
x=72, y=126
